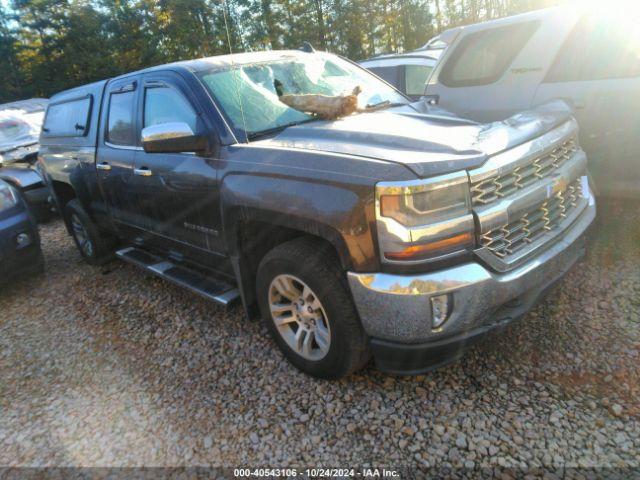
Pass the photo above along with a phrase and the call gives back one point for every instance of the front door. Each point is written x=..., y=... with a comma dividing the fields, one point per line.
x=178, y=193
x=118, y=145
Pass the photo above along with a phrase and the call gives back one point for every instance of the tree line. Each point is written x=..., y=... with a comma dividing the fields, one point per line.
x=50, y=45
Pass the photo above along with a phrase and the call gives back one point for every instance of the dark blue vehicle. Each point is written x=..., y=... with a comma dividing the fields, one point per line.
x=20, y=252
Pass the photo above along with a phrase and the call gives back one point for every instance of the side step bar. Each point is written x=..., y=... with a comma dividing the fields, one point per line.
x=211, y=288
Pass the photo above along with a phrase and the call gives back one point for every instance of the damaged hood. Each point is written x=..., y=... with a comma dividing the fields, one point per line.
x=428, y=141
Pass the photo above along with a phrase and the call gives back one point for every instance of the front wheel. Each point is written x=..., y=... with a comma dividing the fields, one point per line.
x=307, y=307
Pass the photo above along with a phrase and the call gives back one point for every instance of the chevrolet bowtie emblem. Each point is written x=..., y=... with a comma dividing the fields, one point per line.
x=559, y=186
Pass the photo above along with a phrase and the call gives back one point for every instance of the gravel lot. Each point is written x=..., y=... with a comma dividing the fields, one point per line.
x=110, y=367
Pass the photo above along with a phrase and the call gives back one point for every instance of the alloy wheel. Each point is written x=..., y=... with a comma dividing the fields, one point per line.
x=299, y=317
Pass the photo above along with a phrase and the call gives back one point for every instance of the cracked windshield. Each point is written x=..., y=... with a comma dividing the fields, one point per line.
x=249, y=94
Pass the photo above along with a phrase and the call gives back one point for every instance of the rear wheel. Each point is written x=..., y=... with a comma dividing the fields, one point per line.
x=95, y=247
x=306, y=305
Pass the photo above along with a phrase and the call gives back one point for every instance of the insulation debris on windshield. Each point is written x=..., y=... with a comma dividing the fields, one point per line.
x=324, y=106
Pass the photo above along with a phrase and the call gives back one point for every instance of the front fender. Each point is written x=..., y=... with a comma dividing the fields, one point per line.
x=338, y=213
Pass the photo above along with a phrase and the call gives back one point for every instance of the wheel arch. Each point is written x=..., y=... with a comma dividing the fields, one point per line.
x=63, y=193
x=255, y=233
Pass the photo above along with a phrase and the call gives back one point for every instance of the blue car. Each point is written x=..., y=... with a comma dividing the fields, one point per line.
x=20, y=252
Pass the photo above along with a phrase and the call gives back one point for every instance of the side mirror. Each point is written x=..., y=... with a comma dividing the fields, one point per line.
x=172, y=137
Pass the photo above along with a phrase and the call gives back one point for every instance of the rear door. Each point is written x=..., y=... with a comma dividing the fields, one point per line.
x=115, y=156
x=178, y=192
x=598, y=70
x=492, y=71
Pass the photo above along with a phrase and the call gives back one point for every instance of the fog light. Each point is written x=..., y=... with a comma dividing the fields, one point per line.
x=23, y=239
x=440, y=306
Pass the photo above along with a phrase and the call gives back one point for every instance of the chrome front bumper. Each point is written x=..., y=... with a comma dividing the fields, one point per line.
x=397, y=308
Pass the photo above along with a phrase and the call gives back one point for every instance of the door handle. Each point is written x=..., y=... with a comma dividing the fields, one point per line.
x=103, y=166
x=143, y=172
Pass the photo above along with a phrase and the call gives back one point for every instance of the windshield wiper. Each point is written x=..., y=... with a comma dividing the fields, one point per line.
x=384, y=104
x=262, y=133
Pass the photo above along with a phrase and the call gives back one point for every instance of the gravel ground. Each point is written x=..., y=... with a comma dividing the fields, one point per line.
x=110, y=367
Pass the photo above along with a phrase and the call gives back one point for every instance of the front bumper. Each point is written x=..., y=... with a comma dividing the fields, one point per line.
x=39, y=195
x=40, y=202
x=16, y=260
x=32, y=187
x=395, y=310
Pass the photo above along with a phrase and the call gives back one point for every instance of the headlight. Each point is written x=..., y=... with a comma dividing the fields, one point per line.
x=8, y=197
x=422, y=220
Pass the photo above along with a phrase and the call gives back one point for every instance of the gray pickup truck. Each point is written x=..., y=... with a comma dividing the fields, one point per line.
x=399, y=233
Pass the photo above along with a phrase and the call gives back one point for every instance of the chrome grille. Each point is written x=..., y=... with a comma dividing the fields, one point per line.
x=496, y=187
x=544, y=217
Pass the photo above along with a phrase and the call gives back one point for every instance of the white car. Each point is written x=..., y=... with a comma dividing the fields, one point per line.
x=408, y=72
x=20, y=124
x=589, y=58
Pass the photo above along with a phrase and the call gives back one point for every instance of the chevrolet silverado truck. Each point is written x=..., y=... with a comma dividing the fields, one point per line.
x=397, y=233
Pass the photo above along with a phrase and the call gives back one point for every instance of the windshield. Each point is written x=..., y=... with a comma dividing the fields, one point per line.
x=261, y=110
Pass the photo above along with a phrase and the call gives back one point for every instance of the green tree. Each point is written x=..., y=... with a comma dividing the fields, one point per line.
x=50, y=45
x=10, y=87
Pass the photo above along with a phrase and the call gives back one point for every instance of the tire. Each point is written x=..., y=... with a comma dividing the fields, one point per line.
x=96, y=248
x=329, y=311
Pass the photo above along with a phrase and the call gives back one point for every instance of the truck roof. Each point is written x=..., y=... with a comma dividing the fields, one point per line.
x=94, y=89
x=195, y=65
x=226, y=61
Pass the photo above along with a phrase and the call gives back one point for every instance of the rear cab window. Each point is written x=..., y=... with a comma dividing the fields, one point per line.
x=482, y=57
x=69, y=118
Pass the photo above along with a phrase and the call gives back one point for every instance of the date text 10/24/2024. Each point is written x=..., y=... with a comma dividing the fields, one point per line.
x=317, y=472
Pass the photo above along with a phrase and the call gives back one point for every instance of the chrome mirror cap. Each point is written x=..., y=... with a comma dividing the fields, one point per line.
x=172, y=137
x=166, y=131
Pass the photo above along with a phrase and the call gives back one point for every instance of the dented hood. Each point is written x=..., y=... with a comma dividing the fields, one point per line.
x=427, y=141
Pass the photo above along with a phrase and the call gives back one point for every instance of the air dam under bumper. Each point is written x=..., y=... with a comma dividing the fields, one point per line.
x=395, y=310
